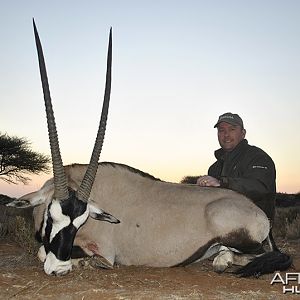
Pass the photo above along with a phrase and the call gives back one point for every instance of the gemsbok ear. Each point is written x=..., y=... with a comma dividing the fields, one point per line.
x=28, y=200
x=100, y=215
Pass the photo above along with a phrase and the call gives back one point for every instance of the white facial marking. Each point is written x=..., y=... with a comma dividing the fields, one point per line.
x=81, y=219
x=60, y=220
x=54, y=265
x=45, y=222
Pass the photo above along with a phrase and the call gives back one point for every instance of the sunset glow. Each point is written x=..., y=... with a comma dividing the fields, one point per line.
x=177, y=65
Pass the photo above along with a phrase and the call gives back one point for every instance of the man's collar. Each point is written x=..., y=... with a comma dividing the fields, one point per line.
x=221, y=154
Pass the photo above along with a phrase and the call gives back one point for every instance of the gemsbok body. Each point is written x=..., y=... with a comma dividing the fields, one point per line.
x=157, y=223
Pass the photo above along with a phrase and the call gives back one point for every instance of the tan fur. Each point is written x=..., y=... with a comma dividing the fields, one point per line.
x=162, y=224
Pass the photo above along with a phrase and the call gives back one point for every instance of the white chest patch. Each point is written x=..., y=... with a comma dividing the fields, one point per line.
x=60, y=220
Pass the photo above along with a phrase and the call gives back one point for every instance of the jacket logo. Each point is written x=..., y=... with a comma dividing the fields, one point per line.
x=259, y=167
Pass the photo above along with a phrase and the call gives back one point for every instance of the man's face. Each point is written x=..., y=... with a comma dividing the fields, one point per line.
x=230, y=135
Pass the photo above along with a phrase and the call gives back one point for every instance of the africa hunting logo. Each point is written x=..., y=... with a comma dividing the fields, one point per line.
x=290, y=282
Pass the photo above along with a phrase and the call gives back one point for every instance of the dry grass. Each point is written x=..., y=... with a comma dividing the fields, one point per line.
x=22, y=232
x=17, y=225
x=287, y=223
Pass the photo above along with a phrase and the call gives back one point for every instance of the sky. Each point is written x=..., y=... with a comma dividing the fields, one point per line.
x=177, y=65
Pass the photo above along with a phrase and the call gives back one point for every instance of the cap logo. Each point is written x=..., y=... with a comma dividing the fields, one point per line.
x=226, y=117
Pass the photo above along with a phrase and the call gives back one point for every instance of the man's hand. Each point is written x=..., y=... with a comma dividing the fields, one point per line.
x=208, y=181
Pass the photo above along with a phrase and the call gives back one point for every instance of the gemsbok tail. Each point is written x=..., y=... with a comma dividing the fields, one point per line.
x=269, y=262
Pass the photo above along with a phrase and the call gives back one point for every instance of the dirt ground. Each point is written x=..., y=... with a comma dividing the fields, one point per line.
x=22, y=277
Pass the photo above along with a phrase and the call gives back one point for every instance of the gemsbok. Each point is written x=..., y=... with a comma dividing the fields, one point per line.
x=158, y=223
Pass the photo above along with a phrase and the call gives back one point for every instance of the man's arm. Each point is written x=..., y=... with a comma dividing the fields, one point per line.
x=257, y=178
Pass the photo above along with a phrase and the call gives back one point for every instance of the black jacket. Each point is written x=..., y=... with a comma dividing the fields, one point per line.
x=250, y=171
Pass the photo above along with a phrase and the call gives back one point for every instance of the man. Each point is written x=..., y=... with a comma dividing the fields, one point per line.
x=241, y=167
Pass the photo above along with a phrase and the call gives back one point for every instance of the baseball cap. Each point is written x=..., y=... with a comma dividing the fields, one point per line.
x=233, y=119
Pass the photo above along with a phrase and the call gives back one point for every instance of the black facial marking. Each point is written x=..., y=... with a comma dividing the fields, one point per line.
x=39, y=233
x=62, y=243
x=48, y=229
x=38, y=236
x=78, y=252
x=73, y=207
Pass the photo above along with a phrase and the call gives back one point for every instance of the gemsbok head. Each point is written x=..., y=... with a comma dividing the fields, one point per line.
x=69, y=209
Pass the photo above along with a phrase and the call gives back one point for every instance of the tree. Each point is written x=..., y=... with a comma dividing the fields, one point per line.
x=17, y=160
